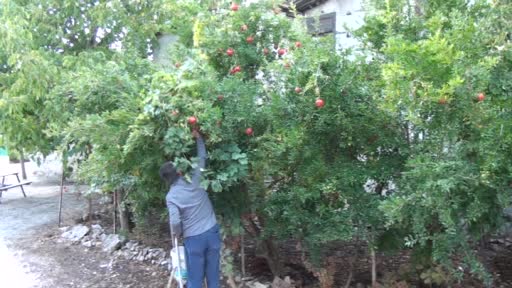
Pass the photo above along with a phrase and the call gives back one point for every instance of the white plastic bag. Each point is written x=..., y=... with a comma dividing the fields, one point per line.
x=179, y=264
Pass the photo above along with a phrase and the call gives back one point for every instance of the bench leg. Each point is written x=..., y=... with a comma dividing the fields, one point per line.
x=23, y=191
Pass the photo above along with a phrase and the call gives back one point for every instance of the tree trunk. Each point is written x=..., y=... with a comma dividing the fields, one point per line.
x=62, y=177
x=324, y=273
x=265, y=248
x=115, y=213
x=272, y=257
x=351, y=271
x=89, y=201
x=23, y=171
x=352, y=261
x=374, y=267
x=242, y=253
x=124, y=220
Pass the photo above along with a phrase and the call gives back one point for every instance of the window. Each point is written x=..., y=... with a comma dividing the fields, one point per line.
x=322, y=25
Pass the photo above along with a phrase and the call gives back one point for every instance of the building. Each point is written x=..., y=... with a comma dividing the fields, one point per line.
x=336, y=17
x=324, y=17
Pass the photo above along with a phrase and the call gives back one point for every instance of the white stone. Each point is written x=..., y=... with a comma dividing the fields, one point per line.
x=113, y=242
x=97, y=230
x=64, y=229
x=87, y=244
x=280, y=283
x=257, y=285
x=76, y=233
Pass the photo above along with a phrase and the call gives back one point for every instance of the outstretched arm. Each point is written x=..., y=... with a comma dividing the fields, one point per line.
x=202, y=155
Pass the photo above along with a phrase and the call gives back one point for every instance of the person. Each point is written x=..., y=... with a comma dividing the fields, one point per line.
x=191, y=216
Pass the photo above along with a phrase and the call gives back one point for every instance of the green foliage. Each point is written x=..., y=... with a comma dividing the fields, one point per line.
x=38, y=43
x=402, y=154
x=437, y=56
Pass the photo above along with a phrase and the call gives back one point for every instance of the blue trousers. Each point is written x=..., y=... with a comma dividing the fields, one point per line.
x=203, y=258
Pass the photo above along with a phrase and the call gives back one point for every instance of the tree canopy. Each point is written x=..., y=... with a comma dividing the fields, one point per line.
x=404, y=142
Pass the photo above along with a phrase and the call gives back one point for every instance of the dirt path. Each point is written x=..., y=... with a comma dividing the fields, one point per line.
x=13, y=273
x=23, y=221
x=32, y=254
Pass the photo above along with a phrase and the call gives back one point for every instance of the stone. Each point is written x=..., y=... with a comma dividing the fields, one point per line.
x=508, y=213
x=131, y=244
x=86, y=238
x=496, y=247
x=76, y=233
x=105, y=200
x=88, y=244
x=97, y=230
x=280, y=283
x=257, y=284
x=64, y=229
x=360, y=285
x=506, y=229
x=113, y=242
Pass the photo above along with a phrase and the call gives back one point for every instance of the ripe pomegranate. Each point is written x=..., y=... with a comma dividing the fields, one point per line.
x=192, y=120
x=480, y=97
x=319, y=103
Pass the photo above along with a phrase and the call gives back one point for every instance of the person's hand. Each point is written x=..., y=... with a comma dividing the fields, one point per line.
x=196, y=133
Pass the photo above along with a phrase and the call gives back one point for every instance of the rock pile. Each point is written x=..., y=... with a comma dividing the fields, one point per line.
x=114, y=244
x=135, y=251
x=118, y=246
x=277, y=283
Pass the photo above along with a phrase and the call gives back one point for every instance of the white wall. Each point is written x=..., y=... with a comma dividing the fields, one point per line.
x=349, y=13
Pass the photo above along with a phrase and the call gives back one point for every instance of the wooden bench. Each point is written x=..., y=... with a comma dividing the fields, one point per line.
x=4, y=186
